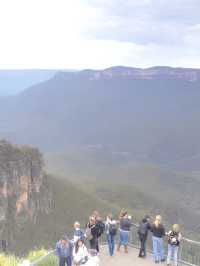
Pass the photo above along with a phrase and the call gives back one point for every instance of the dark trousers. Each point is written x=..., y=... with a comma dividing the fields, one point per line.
x=94, y=244
x=143, y=239
x=65, y=261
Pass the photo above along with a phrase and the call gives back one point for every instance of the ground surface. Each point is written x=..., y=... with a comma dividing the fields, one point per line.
x=121, y=259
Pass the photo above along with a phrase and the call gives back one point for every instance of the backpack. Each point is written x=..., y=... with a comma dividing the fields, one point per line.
x=173, y=239
x=143, y=228
x=88, y=233
x=113, y=229
x=100, y=228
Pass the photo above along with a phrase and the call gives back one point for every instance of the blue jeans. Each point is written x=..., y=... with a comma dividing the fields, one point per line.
x=65, y=261
x=172, y=254
x=111, y=244
x=158, y=248
x=123, y=238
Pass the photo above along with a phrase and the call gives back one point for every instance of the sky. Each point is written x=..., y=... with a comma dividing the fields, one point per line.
x=77, y=34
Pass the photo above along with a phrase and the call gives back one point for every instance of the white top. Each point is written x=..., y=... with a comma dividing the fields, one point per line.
x=81, y=254
x=109, y=222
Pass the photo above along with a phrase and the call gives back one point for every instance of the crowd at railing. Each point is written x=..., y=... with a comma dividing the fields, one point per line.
x=83, y=249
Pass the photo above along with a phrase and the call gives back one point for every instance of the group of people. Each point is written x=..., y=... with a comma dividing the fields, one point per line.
x=76, y=251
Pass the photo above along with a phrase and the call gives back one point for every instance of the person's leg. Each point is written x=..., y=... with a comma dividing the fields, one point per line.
x=113, y=244
x=126, y=238
x=109, y=244
x=169, y=254
x=155, y=248
x=162, y=251
x=120, y=240
x=97, y=245
x=61, y=261
x=176, y=255
x=69, y=261
x=92, y=243
x=140, y=252
x=144, y=245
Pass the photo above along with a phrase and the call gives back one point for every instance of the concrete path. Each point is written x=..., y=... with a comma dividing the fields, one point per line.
x=121, y=259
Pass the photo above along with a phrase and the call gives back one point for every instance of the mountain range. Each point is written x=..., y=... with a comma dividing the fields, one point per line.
x=151, y=114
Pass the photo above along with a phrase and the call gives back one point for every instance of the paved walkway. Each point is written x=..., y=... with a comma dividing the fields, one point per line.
x=121, y=259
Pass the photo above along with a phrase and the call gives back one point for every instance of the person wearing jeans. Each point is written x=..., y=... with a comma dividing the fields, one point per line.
x=158, y=249
x=124, y=230
x=64, y=249
x=111, y=231
x=143, y=229
x=158, y=232
x=174, y=238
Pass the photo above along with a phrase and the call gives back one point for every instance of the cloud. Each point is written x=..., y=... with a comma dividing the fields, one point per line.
x=99, y=33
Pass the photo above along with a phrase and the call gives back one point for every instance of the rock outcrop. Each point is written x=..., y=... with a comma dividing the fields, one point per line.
x=24, y=190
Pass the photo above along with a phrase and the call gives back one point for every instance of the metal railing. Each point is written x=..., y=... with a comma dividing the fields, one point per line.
x=189, y=252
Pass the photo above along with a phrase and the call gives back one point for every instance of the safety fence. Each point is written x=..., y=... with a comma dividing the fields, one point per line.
x=189, y=252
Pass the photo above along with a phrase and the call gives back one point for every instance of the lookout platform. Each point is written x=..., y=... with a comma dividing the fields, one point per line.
x=120, y=258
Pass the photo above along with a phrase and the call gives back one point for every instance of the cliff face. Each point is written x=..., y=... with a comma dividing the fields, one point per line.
x=24, y=191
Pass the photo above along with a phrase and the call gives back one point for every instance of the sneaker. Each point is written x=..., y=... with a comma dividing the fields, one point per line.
x=163, y=260
x=156, y=261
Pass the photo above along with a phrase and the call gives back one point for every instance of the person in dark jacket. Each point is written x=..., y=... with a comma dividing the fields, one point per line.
x=124, y=230
x=158, y=232
x=64, y=251
x=93, y=227
x=143, y=229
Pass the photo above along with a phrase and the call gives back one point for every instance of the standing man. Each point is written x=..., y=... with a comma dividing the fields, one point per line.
x=144, y=227
x=64, y=251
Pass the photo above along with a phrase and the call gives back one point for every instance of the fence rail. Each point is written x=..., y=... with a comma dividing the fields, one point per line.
x=189, y=252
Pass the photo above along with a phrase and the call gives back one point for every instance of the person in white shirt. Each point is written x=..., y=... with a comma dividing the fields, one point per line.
x=80, y=253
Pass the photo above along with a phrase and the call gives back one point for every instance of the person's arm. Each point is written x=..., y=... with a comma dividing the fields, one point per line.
x=58, y=250
x=179, y=237
x=163, y=231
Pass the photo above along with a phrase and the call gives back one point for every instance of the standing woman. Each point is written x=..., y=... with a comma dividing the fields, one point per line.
x=174, y=238
x=158, y=232
x=111, y=231
x=124, y=230
x=92, y=233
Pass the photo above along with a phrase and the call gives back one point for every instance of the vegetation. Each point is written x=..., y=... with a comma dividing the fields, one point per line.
x=8, y=260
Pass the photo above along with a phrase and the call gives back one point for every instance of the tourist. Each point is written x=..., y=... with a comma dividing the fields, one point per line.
x=80, y=253
x=158, y=232
x=174, y=238
x=92, y=233
x=64, y=249
x=124, y=230
x=143, y=229
x=78, y=233
x=111, y=231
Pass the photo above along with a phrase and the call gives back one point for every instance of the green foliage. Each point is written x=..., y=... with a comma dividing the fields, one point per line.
x=8, y=260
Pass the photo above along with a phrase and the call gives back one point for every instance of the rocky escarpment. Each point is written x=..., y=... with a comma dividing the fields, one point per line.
x=24, y=191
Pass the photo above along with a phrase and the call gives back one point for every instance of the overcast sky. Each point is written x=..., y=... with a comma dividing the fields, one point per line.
x=79, y=34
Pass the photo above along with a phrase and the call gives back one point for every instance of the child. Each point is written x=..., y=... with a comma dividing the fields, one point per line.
x=78, y=234
x=174, y=238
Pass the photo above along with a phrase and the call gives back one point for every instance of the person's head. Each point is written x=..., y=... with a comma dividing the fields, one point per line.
x=92, y=219
x=176, y=228
x=158, y=220
x=147, y=218
x=123, y=214
x=77, y=225
x=79, y=244
x=64, y=240
x=96, y=215
x=110, y=216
